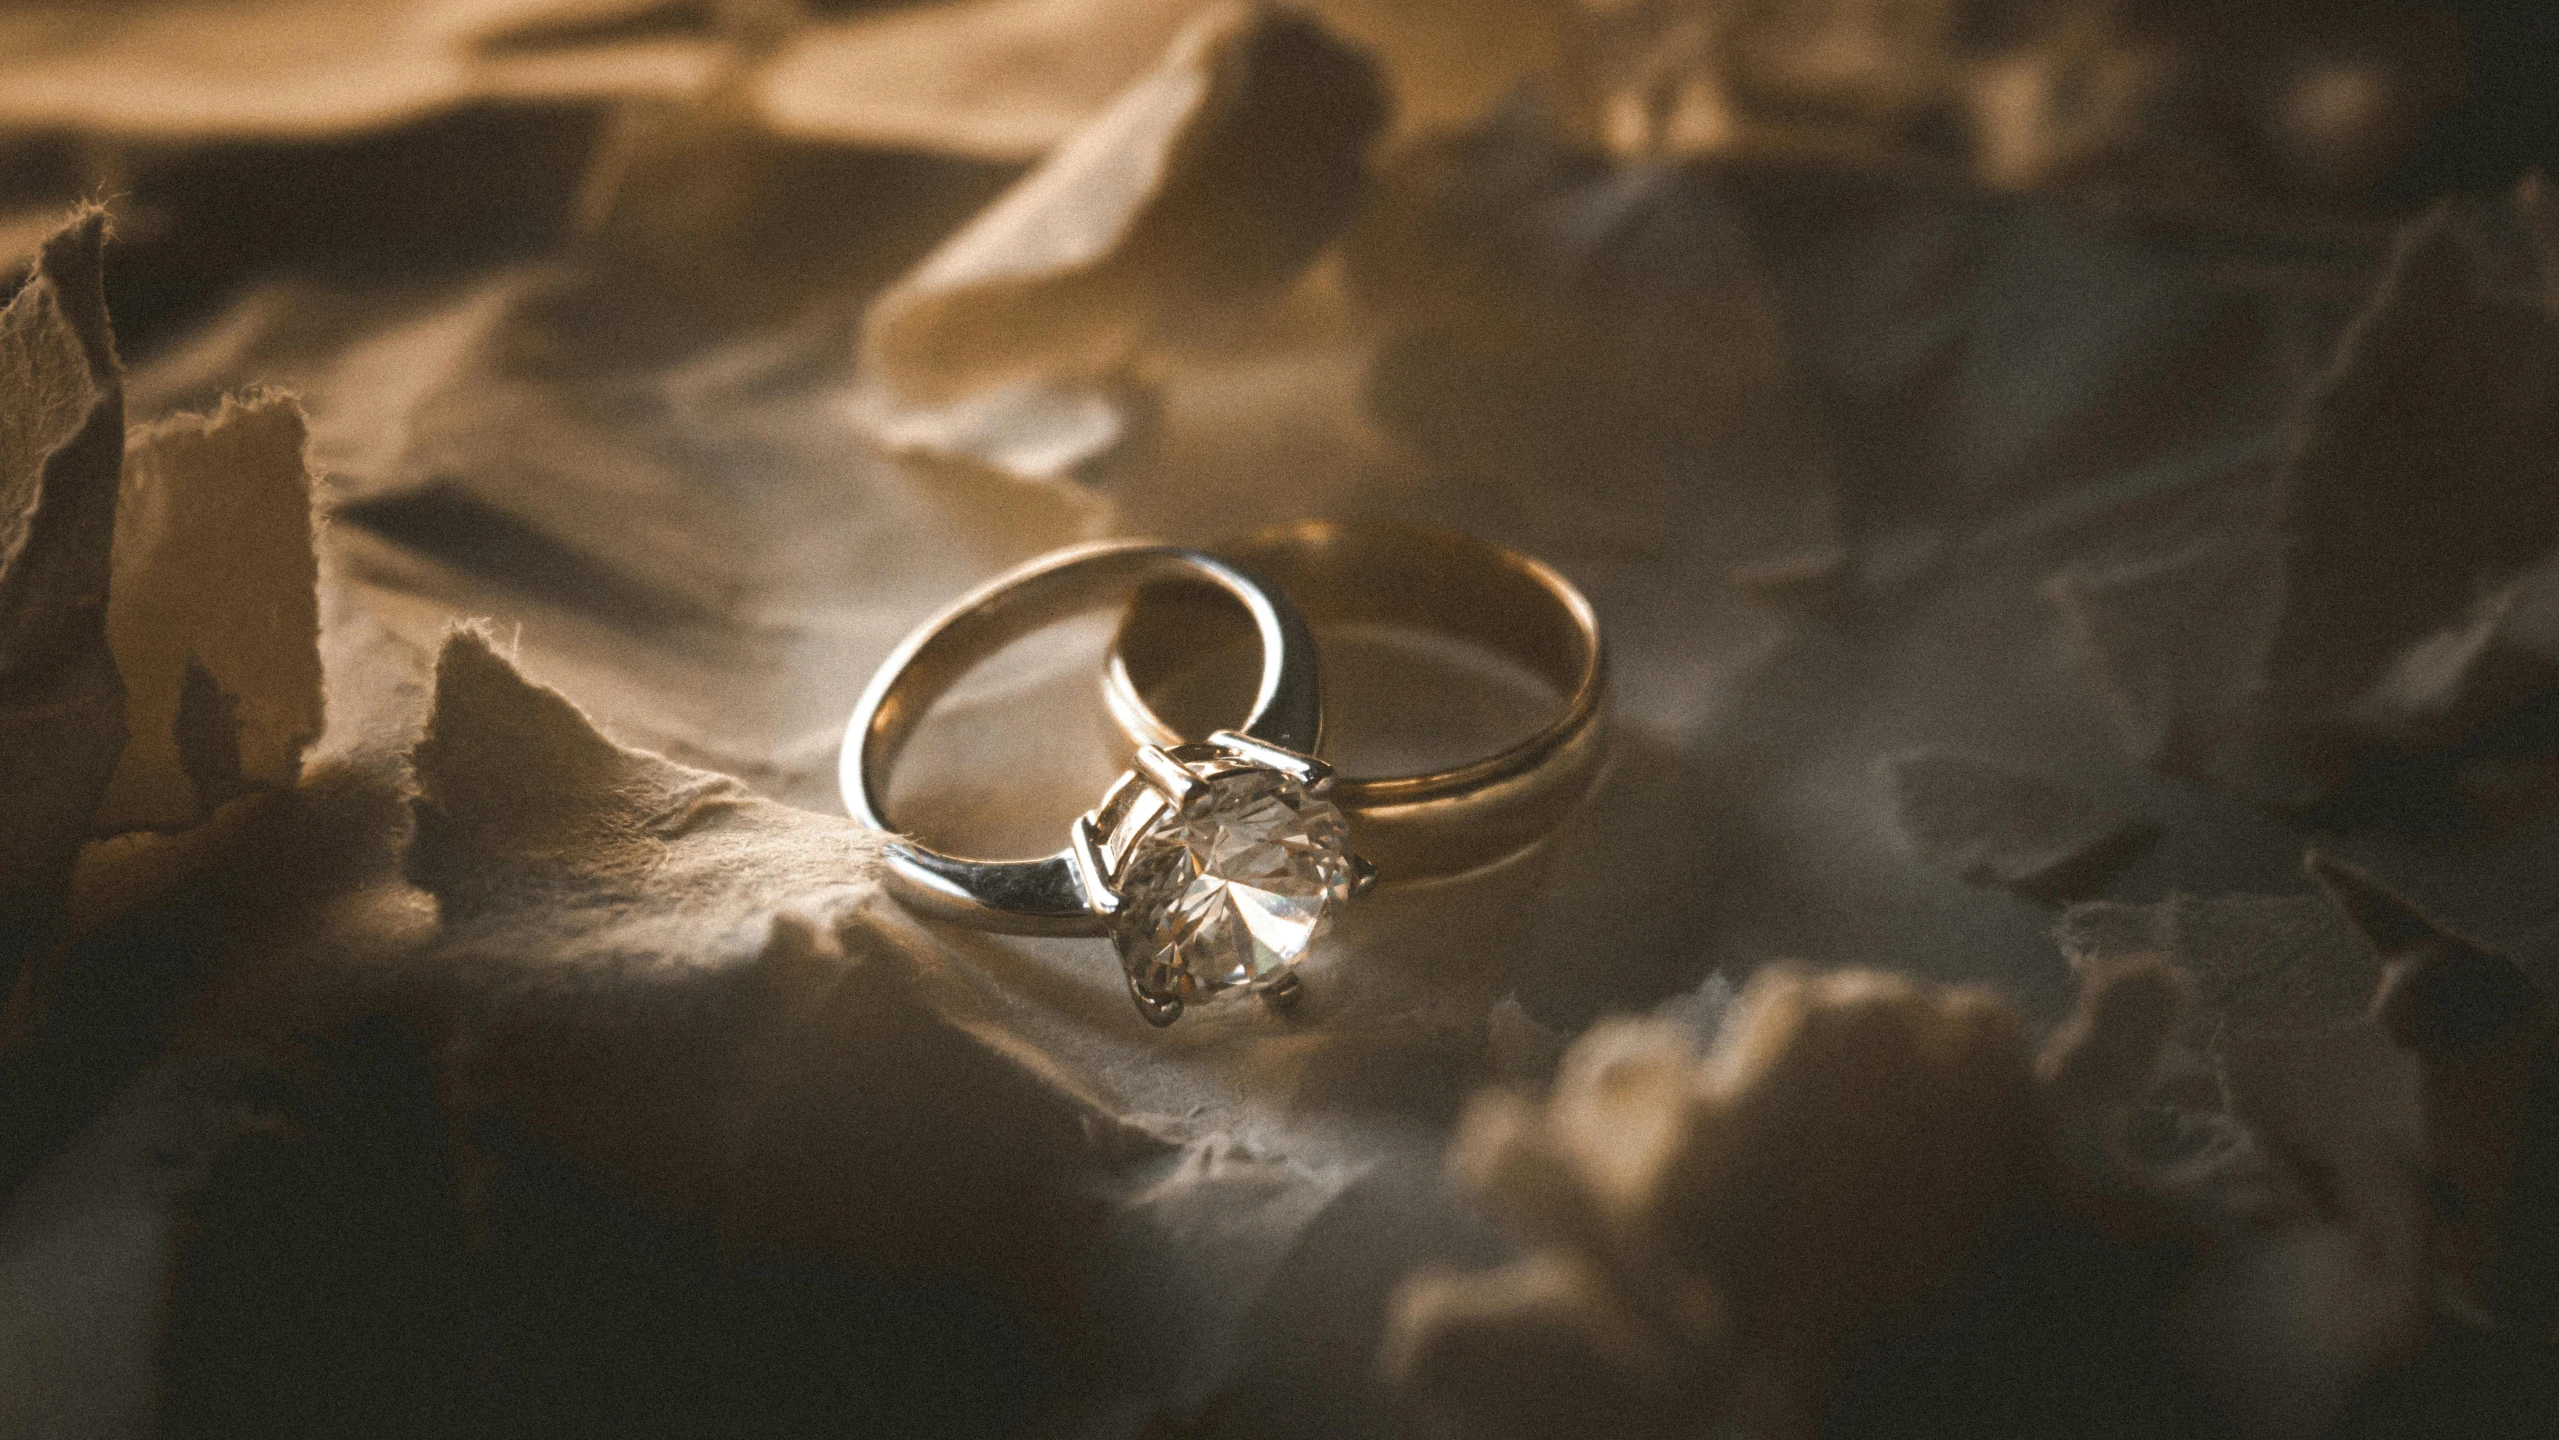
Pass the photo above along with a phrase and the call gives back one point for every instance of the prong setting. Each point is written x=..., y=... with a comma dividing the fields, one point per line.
x=1092, y=872
x=1363, y=878
x=1159, y=1011
x=1283, y=993
x=1306, y=770
x=1168, y=775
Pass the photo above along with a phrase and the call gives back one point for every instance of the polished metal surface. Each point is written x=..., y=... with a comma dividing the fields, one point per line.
x=1068, y=893
x=1415, y=826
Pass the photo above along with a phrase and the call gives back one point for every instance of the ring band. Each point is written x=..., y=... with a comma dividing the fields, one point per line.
x=1413, y=826
x=1212, y=865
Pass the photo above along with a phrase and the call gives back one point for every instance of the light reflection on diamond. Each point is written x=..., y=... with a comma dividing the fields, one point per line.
x=1232, y=888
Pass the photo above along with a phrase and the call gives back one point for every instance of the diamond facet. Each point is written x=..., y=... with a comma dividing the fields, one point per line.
x=1231, y=887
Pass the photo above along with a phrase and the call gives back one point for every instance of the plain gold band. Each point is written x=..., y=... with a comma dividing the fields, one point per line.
x=1411, y=826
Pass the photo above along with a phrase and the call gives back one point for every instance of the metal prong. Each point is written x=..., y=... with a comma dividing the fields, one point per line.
x=1363, y=878
x=1167, y=774
x=1158, y=1013
x=1305, y=769
x=1085, y=844
x=1283, y=993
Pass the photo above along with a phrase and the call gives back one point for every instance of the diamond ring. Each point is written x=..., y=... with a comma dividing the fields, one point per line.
x=1414, y=826
x=1213, y=865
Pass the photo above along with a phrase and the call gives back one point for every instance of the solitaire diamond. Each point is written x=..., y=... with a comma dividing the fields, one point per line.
x=1229, y=887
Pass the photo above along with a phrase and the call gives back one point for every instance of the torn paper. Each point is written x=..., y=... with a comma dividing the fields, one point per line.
x=62, y=703
x=1701, y=1235
x=1209, y=181
x=1999, y=824
x=1589, y=333
x=2309, y=1130
x=2486, y=1041
x=2173, y=642
x=280, y=68
x=996, y=79
x=214, y=614
x=2427, y=472
x=2166, y=100
x=2399, y=595
x=705, y=992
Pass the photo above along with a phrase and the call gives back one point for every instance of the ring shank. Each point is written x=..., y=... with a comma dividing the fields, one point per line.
x=1043, y=896
x=1421, y=825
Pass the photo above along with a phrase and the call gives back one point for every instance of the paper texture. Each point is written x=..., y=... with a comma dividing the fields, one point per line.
x=432, y=925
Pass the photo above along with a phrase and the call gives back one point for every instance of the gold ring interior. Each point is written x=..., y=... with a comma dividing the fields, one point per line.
x=1434, y=580
x=1048, y=896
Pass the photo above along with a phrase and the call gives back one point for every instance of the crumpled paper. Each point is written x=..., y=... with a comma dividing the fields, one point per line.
x=1717, y=1238
x=2174, y=642
x=213, y=613
x=292, y=67
x=1700, y=1235
x=184, y=696
x=62, y=702
x=1010, y=79
x=2424, y=444
x=1006, y=79
x=1548, y=316
x=2146, y=98
x=1206, y=183
x=584, y=367
x=1996, y=824
x=2305, y=1122
x=606, y=912
x=2483, y=1037
x=2389, y=593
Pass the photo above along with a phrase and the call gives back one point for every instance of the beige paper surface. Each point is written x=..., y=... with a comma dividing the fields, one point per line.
x=558, y=977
